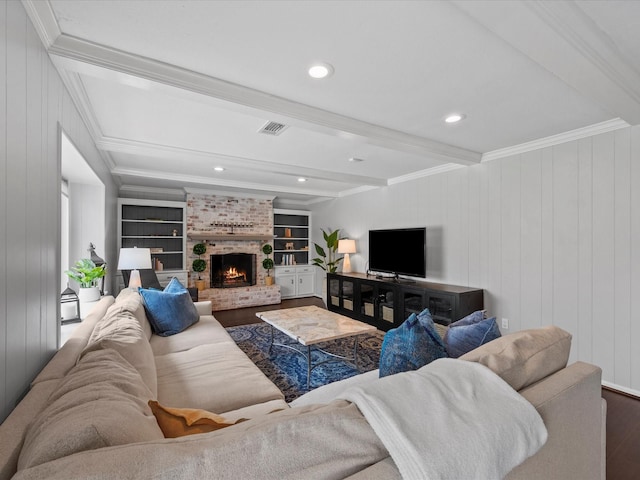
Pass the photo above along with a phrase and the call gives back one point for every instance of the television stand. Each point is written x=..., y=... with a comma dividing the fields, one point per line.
x=387, y=302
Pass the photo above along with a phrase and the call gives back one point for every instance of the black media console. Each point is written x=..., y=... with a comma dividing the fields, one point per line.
x=386, y=303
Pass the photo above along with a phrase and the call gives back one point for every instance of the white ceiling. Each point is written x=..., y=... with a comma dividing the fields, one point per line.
x=170, y=89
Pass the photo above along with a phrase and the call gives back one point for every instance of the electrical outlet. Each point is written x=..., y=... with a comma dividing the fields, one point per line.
x=505, y=324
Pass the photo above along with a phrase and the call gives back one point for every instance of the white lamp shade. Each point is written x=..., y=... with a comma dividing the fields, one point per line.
x=346, y=246
x=134, y=258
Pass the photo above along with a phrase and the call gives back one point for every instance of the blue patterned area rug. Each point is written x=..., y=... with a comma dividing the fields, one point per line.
x=288, y=370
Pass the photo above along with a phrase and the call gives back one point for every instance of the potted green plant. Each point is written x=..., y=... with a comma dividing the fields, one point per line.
x=267, y=263
x=199, y=265
x=87, y=274
x=327, y=259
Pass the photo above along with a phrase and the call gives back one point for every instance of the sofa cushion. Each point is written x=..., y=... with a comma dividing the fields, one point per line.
x=179, y=422
x=412, y=345
x=217, y=377
x=169, y=311
x=101, y=402
x=469, y=333
x=208, y=330
x=522, y=358
x=68, y=355
x=121, y=331
x=132, y=301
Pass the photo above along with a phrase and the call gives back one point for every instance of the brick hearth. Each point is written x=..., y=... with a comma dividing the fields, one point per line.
x=208, y=213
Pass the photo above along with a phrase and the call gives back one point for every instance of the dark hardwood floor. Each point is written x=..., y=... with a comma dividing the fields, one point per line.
x=623, y=411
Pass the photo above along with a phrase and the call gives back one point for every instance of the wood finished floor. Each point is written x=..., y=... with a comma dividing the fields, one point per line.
x=623, y=412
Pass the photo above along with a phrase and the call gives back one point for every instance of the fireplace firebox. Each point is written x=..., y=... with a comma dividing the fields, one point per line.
x=232, y=270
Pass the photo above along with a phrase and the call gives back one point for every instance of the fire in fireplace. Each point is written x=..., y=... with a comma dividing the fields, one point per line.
x=233, y=270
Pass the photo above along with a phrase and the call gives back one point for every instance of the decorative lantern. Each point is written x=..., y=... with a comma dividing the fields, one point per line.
x=69, y=307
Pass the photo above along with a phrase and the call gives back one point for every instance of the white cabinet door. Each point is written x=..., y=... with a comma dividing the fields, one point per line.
x=287, y=284
x=305, y=284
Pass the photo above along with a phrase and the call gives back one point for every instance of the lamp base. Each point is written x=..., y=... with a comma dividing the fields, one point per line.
x=135, y=281
x=346, y=264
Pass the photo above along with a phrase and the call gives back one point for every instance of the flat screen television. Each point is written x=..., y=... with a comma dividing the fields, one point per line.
x=400, y=251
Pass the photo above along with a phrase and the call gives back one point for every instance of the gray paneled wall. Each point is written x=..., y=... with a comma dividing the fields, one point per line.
x=552, y=235
x=33, y=105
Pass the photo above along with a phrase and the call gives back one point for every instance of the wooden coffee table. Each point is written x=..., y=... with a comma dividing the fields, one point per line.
x=312, y=325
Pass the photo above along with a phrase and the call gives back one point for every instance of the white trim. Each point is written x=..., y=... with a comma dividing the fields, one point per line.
x=425, y=173
x=44, y=20
x=630, y=391
x=143, y=189
x=572, y=135
x=228, y=193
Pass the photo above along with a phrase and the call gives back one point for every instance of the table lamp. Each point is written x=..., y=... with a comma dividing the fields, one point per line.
x=133, y=259
x=346, y=246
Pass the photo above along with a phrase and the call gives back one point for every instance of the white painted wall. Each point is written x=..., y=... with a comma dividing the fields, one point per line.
x=553, y=236
x=33, y=106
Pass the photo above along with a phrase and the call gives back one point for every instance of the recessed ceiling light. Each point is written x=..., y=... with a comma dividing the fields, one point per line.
x=219, y=169
x=454, y=118
x=301, y=179
x=356, y=160
x=320, y=70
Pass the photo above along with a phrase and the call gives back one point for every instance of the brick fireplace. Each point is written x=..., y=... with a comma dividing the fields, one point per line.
x=231, y=226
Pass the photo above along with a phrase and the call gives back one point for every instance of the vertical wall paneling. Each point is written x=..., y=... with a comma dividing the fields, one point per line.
x=34, y=232
x=4, y=201
x=474, y=226
x=583, y=346
x=530, y=245
x=634, y=288
x=32, y=100
x=603, y=301
x=510, y=213
x=17, y=379
x=565, y=237
x=493, y=234
x=622, y=257
x=546, y=237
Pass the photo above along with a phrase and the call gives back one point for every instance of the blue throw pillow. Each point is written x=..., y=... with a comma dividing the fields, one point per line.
x=412, y=345
x=171, y=310
x=469, y=333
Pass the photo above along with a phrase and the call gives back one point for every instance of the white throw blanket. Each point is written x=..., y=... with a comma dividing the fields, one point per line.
x=451, y=420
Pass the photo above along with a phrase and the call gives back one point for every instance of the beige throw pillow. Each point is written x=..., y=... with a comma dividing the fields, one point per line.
x=524, y=357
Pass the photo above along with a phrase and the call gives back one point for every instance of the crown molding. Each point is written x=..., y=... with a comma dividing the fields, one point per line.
x=88, y=58
x=43, y=20
x=215, y=182
x=154, y=150
x=157, y=190
x=228, y=193
x=425, y=173
x=570, y=136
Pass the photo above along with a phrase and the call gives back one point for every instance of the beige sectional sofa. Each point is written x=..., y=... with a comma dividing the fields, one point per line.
x=86, y=415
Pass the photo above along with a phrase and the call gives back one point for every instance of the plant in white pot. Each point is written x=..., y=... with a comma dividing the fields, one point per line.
x=199, y=265
x=267, y=263
x=87, y=274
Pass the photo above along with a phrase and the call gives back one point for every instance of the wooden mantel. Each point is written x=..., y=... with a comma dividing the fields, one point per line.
x=228, y=236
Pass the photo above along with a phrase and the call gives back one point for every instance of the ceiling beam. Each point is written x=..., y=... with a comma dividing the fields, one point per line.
x=83, y=57
x=218, y=182
x=551, y=34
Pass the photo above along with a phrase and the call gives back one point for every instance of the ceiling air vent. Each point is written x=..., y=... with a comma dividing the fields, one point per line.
x=272, y=128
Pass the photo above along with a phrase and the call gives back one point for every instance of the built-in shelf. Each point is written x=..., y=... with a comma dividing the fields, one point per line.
x=227, y=236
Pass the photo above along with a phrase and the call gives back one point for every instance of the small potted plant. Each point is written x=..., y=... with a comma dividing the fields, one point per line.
x=267, y=263
x=87, y=274
x=327, y=259
x=199, y=265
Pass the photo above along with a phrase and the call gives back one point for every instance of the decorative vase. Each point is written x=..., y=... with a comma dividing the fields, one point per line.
x=89, y=294
x=200, y=284
x=268, y=280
